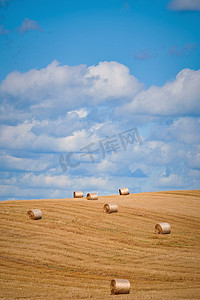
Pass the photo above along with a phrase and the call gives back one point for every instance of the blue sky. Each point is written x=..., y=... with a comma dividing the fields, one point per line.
x=79, y=76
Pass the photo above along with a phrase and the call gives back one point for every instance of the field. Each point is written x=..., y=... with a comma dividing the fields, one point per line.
x=75, y=250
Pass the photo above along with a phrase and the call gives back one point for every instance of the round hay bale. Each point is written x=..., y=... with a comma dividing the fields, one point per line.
x=78, y=194
x=34, y=214
x=110, y=208
x=162, y=228
x=120, y=286
x=124, y=191
x=92, y=196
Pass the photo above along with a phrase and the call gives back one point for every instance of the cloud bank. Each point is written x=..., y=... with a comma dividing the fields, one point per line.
x=175, y=98
x=51, y=112
x=56, y=88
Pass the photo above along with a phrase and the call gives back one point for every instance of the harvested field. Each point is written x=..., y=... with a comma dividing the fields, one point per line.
x=76, y=249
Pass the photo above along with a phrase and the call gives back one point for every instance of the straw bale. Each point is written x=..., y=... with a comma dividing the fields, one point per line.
x=120, y=286
x=34, y=214
x=110, y=208
x=78, y=194
x=92, y=196
x=124, y=191
x=162, y=228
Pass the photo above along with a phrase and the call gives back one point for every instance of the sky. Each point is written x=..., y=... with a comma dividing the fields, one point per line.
x=98, y=95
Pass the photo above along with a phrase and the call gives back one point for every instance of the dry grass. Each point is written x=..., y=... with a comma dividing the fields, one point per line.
x=75, y=250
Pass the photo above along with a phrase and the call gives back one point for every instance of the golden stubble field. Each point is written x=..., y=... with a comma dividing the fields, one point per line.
x=75, y=250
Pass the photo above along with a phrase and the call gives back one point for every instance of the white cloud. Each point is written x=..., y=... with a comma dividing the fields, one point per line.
x=181, y=5
x=193, y=157
x=19, y=192
x=172, y=181
x=182, y=130
x=35, y=84
x=112, y=80
x=29, y=25
x=62, y=88
x=55, y=182
x=13, y=163
x=105, y=176
x=59, y=109
x=96, y=127
x=186, y=130
x=82, y=113
x=159, y=153
x=8, y=113
x=178, y=97
x=106, y=167
x=21, y=136
x=194, y=174
x=45, y=181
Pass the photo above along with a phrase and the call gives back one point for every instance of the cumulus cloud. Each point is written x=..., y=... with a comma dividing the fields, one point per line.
x=11, y=114
x=60, y=181
x=59, y=109
x=22, y=136
x=28, y=25
x=194, y=173
x=45, y=185
x=183, y=130
x=178, y=97
x=59, y=88
x=13, y=163
x=172, y=181
x=82, y=113
x=112, y=80
x=193, y=157
x=106, y=80
x=184, y=5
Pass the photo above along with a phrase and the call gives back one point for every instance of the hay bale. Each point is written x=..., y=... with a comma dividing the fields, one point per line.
x=92, y=196
x=124, y=191
x=78, y=194
x=120, y=286
x=34, y=214
x=162, y=228
x=110, y=208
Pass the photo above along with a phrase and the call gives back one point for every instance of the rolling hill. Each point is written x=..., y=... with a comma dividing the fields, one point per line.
x=76, y=249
